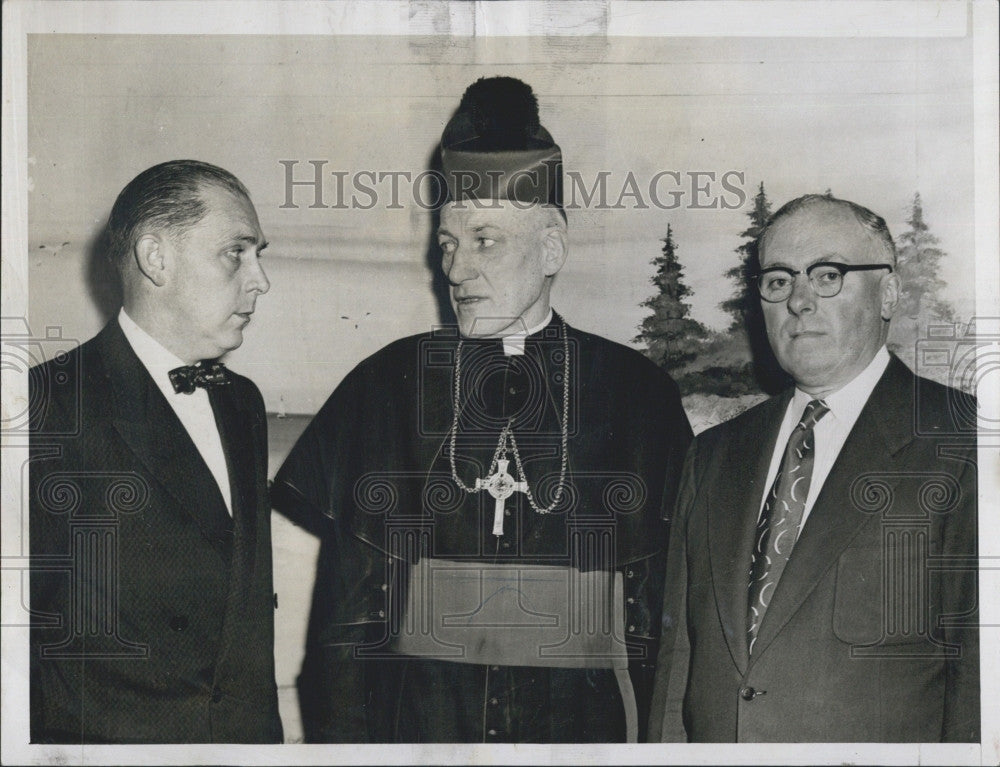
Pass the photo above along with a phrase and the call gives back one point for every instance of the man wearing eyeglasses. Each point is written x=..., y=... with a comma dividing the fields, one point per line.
x=821, y=581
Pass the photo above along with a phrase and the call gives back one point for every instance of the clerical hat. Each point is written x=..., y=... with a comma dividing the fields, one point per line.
x=496, y=148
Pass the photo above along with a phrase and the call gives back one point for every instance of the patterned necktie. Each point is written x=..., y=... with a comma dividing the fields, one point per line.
x=781, y=516
x=185, y=379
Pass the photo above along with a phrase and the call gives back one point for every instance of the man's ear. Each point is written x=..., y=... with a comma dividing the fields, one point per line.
x=555, y=248
x=150, y=258
x=890, y=295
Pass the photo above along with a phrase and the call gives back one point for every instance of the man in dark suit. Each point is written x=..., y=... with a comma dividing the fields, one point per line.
x=821, y=575
x=151, y=586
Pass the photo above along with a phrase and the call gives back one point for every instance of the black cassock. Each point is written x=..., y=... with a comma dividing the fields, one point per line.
x=372, y=474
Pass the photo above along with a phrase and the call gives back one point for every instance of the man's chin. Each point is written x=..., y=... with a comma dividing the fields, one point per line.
x=226, y=345
x=809, y=374
x=472, y=326
x=478, y=330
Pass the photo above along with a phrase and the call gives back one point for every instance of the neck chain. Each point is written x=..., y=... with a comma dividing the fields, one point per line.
x=508, y=442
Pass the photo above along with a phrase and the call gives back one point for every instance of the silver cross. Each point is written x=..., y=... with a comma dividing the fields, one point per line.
x=501, y=486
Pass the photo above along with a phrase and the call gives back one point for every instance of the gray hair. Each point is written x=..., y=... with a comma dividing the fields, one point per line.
x=871, y=222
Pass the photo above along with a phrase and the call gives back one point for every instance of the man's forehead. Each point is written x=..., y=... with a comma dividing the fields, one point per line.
x=823, y=230
x=226, y=203
x=216, y=196
x=503, y=214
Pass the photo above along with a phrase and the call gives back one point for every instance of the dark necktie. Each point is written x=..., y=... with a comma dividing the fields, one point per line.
x=781, y=517
x=186, y=378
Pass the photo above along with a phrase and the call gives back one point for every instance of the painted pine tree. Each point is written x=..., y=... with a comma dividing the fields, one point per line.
x=671, y=336
x=918, y=260
x=921, y=306
x=744, y=298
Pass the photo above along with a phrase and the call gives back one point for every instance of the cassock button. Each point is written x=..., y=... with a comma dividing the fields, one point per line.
x=492, y=733
x=748, y=693
x=512, y=390
x=493, y=701
x=384, y=587
x=179, y=623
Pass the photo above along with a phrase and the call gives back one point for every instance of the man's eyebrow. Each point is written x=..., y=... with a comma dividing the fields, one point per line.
x=442, y=232
x=252, y=240
x=832, y=258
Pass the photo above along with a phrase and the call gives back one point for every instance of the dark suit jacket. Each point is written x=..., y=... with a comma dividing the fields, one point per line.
x=153, y=609
x=870, y=634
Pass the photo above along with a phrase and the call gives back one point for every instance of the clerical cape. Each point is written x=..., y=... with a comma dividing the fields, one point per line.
x=428, y=627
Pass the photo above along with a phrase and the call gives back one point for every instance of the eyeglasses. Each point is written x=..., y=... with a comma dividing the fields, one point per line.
x=826, y=277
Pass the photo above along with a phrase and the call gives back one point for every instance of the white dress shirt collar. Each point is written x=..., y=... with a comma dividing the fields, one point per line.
x=157, y=359
x=514, y=343
x=193, y=410
x=847, y=402
x=831, y=431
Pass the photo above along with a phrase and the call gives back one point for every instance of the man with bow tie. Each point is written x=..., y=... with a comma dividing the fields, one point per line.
x=492, y=494
x=151, y=585
x=821, y=578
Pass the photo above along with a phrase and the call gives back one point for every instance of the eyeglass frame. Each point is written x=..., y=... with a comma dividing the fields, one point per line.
x=840, y=267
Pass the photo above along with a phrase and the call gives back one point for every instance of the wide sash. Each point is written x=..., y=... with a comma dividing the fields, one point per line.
x=511, y=614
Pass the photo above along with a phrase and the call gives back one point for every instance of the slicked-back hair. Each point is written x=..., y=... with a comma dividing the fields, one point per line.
x=871, y=222
x=166, y=196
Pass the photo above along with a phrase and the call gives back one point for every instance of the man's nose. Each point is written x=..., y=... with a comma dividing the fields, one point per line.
x=803, y=297
x=257, y=280
x=460, y=267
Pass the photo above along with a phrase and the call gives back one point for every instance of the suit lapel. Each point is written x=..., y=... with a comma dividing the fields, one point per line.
x=243, y=438
x=236, y=422
x=882, y=429
x=151, y=429
x=733, y=509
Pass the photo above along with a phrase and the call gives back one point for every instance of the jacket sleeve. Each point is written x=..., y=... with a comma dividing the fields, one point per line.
x=961, y=614
x=307, y=490
x=666, y=714
x=332, y=688
x=644, y=584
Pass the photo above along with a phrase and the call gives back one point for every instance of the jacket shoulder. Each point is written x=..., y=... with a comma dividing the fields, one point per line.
x=398, y=351
x=753, y=418
x=246, y=389
x=941, y=408
x=59, y=388
x=629, y=361
x=375, y=376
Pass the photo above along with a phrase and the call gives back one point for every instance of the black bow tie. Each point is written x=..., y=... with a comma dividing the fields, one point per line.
x=186, y=378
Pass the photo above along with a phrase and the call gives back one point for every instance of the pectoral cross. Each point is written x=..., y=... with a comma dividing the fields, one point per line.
x=501, y=485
